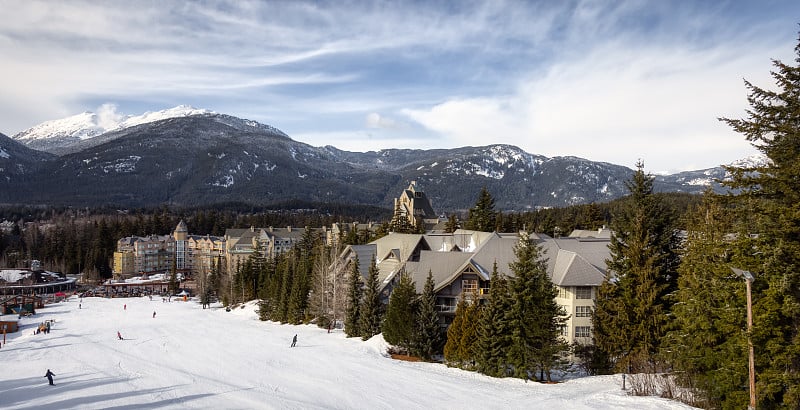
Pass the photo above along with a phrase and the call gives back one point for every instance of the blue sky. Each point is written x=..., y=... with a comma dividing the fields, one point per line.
x=603, y=80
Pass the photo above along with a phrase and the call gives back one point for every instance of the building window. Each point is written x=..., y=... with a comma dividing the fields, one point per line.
x=583, y=331
x=444, y=304
x=583, y=311
x=583, y=292
x=563, y=293
x=469, y=286
x=564, y=331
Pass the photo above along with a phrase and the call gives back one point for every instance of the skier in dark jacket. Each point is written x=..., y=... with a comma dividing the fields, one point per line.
x=294, y=340
x=49, y=376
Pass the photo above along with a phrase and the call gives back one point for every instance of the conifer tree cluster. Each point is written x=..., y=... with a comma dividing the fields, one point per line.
x=517, y=332
x=364, y=314
x=482, y=216
x=428, y=337
x=399, y=222
x=756, y=228
x=494, y=331
x=284, y=283
x=371, y=309
x=708, y=345
x=398, y=328
x=633, y=304
x=352, y=317
x=412, y=323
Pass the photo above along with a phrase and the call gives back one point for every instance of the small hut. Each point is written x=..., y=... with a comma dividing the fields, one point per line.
x=21, y=305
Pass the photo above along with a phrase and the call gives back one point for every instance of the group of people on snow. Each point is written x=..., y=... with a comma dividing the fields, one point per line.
x=43, y=327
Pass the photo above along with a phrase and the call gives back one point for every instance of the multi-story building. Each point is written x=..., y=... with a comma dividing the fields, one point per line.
x=195, y=254
x=240, y=244
x=191, y=254
x=461, y=263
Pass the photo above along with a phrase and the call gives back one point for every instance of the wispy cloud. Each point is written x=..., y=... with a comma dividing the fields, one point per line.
x=610, y=81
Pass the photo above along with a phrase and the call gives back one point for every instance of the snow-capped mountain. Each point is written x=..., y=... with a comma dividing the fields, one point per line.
x=195, y=157
x=58, y=135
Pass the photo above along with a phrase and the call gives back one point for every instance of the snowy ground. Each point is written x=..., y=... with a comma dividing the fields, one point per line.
x=187, y=357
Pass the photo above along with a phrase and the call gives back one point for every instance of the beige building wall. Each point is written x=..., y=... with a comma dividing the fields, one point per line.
x=578, y=302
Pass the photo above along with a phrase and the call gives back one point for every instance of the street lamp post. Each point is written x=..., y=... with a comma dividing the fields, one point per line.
x=748, y=278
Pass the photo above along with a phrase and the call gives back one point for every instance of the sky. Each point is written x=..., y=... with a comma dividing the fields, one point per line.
x=611, y=81
x=191, y=358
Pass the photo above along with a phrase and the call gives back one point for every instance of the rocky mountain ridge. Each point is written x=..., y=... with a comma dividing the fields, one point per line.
x=205, y=158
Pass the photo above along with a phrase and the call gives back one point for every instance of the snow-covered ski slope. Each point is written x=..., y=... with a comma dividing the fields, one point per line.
x=188, y=357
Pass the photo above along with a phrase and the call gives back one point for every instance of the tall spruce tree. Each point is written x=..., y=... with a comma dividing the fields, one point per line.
x=482, y=216
x=355, y=293
x=770, y=195
x=494, y=329
x=469, y=332
x=399, y=326
x=428, y=339
x=535, y=318
x=452, y=348
x=399, y=222
x=371, y=311
x=709, y=345
x=632, y=308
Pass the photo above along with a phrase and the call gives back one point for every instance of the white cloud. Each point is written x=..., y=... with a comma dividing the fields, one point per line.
x=617, y=104
x=606, y=81
x=375, y=120
x=108, y=116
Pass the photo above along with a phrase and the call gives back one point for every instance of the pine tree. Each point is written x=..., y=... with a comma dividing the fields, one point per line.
x=428, y=339
x=535, y=318
x=399, y=222
x=352, y=316
x=769, y=195
x=708, y=345
x=467, y=348
x=301, y=285
x=494, y=329
x=286, y=277
x=452, y=348
x=633, y=305
x=399, y=326
x=371, y=310
x=452, y=224
x=482, y=216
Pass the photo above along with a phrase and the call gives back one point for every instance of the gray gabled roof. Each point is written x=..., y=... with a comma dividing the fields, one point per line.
x=571, y=269
x=570, y=261
x=402, y=242
x=442, y=265
x=448, y=242
x=496, y=249
x=365, y=254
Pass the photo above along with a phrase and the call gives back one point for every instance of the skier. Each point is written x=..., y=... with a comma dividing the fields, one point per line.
x=125, y=307
x=49, y=376
x=119, y=335
x=154, y=314
x=294, y=340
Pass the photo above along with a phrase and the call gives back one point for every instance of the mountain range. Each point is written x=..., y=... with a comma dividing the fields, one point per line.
x=190, y=157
